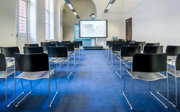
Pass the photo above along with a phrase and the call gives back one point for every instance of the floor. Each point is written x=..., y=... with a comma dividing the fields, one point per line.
x=93, y=87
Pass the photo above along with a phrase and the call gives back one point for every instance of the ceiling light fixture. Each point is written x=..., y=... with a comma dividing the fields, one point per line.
x=72, y=8
x=109, y=6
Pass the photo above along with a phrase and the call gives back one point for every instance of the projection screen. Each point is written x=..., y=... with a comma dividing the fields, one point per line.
x=93, y=28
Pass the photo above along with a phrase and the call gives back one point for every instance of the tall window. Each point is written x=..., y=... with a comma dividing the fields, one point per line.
x=49, y=19
x=22, y=14
x=32, y=21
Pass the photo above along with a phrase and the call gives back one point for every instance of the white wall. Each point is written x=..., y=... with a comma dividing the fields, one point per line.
x=155, y=20
x=7, y=22
x=115, y=17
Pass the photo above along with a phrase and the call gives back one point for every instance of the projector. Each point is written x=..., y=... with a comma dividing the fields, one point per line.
x=92, y=16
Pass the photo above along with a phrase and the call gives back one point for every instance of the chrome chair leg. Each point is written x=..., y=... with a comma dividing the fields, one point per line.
x=68, y=70
x=25, y=95
x=22, y=85
x=49, y=91
x=6, y=90
x=132, y=93
x=167, y=86
x=119, y=74
x=176, y=92
x=31, y=84
x=149, y=86
x=52, y=101
x=124, y=94
x=15, y=98
x=151, y=93
x=74, y=59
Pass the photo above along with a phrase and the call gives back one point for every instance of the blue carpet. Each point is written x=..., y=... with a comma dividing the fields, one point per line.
x=93, y=87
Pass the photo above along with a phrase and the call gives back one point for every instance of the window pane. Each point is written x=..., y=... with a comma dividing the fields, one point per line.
x=22, y=17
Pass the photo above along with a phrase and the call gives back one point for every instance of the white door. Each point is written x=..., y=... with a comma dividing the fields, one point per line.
x=22, y=23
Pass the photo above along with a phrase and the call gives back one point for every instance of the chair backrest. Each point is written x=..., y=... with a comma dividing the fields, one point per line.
x=111, y=43
x=45, y=45
x=107, y=43
x=173, y=50
x=54, y=42
x=152, y=44
x=32, y=62
x=149, y=63
x=61, y=44
x=116, y=46
x=130, y=51
x=66, y=41
x=31, y=45
x=80, y=42
x=70, y=46
x=57, y=52
x=76, y=44
x=9, y=51
x=153, y=49
x=2, y=63
x=33, y=50
x=178, y=62
x=141, y=44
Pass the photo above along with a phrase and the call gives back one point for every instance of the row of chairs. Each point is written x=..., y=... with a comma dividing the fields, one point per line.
x=110, y=44
x=150, y=65
x=32, y=65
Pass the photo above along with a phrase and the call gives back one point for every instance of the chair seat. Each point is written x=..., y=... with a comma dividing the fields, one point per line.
x=116, y=52
x=77, y=48
x=172, y=72
x=129, y=59
x=36, y=75
x=57, y=60
x=146, y=76
x=3, y=73
x=171, y=58
x=71, y=52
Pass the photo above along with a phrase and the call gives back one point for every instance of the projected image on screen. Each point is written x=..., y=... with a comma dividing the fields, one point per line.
x=93, y=29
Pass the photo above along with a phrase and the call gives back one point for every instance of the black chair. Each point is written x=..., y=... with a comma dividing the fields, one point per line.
x=147, y=67
x=54, y=42
x=59, y=54
x=175, y=72
x=172, y=52
x=61, y=44
x=45, y=45
x=110, y=48
x=152, y=44
x=126, y=57
x=4, y=72
x=66, y=41
x=153, y=49
x=80, y=47
x=107, y=47
x=127, y=52
x=9, y=53
x=116, y=48
x=71, y=51
x=34, y=67
x=31, y=45
x=77, y=46
x=141, y=44
x=33, y=50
